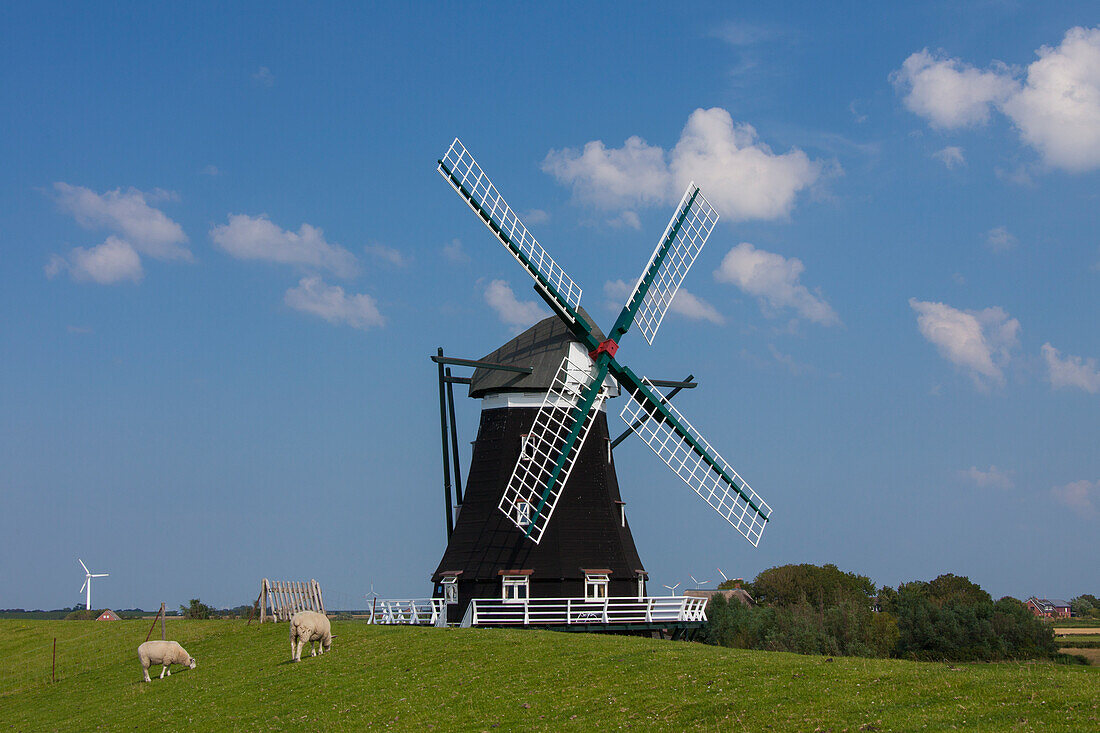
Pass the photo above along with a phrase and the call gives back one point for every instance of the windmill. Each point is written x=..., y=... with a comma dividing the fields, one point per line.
x=573, y=390
x=87, y=587
x=698, y=583
x=672, y=589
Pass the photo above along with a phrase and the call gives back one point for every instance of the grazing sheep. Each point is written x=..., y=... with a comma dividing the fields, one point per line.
x=166, y=653
x=309, y=626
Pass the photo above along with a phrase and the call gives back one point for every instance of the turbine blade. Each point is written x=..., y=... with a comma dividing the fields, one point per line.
x=692, y=458
x=676, y=250
x=469, y=180
x=83, y=586
x=556, y=439
x=83, y=565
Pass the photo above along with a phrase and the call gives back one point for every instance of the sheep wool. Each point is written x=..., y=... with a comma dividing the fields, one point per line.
x=309, y=627
x=165, y=653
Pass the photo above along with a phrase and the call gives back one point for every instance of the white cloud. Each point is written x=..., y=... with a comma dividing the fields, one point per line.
x=511, y=311
x=330, y=302
x=635, y=174
x=256, y=238
x=386, y=254
x=979, y=341
x=264, y=77
x=535, y=216
x=1055, y=108
x=211, y=170
x=108, y=263
x=128, y=214
x=626, y=220
x=454, y=252
x=774, y=281
x=1058, y=109
x=948, y=92
x=994, y=477
x=739, y=33
x=738, y=174
x=951, y=156
x=685, y=304
x=1000, y=240
x=1078, y=495
x=1073, y=371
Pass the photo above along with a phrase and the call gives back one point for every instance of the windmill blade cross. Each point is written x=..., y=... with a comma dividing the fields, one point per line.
x=692, y=458
x=556, y=439
x=464, y=174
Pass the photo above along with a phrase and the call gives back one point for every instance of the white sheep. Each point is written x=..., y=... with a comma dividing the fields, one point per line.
x=312, y=627
x=166, y=653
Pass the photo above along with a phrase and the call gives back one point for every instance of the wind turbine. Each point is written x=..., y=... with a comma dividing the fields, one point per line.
x=698, y=583
x=88, y=575
x=672, y=589
x=724, y=578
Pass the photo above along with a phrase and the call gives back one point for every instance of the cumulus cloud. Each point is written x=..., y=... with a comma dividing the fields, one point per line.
x=454, y=252
x=738, y=174
x=994, y=477
x=1072, y=371
x=948, y=92
x=515, y=313
x=1055, y=107
x=1000, y=240
x=775, y=282
x=1078, y=495
x=386, y=254
x=127, y=214
x=535, y=216
x=330, y=302
x=1057, y=111
x=980, y=342
x=951, y=156
x=111, y=262
x=626, y=220
x=685, y=304
x=257, y=238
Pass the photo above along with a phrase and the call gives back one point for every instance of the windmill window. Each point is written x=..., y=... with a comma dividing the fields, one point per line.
x=450, y=590
x=523, y=513
x=526, y=447
x=595, y=586
x=515, y=588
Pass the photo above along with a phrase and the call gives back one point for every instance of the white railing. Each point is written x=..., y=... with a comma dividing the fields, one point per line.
x=579, y=611
x=412, y=611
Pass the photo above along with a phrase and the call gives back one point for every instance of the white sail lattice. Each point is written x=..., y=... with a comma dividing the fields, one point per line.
x=698, y=222
x=522, y=501
x=466, y=174
x=693, y=459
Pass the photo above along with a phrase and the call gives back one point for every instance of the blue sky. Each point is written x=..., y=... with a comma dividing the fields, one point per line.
x=226, y=257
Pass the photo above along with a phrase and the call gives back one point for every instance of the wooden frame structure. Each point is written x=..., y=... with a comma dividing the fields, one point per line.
x=282, y=599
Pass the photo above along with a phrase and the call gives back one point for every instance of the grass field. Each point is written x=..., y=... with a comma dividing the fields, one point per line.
x=420, y=679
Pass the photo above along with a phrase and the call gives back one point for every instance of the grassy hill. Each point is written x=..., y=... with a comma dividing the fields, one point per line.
x=409, y=678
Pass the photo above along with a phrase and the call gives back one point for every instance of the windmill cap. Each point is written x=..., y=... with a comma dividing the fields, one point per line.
x=541, y=347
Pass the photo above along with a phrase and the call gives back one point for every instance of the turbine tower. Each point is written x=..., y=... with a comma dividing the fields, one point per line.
x=87, y=587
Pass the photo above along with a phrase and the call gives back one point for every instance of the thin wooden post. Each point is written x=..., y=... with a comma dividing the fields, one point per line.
x=53, y=674
x=163, y=633
x=154, y=624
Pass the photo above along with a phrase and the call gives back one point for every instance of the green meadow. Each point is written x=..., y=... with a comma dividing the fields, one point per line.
x=471, y=679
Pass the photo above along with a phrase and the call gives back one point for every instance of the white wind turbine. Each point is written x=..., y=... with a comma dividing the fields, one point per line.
x=88, y=575
x=698, y=583
x=672, y=589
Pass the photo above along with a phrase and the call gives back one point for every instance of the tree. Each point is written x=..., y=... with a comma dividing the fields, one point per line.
x=1081, y=605
x=789, y=585
x=196, y=609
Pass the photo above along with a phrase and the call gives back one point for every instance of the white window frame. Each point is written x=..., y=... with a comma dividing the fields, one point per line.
x=515, y=588
x=596, y=586
x=523, y=513
x=450, y=590
x=525, y=444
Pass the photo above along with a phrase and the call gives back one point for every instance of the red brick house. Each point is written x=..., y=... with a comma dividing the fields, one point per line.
x=1048, y=607
x=108, y=615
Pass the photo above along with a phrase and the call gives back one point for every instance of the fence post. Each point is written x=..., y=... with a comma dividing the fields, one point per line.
x=163, y=633
x=53, y=673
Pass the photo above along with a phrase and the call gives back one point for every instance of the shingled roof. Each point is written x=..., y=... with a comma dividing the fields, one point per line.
x=540, y=347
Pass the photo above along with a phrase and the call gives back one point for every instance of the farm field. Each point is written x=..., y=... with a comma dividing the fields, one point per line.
x=410, y=678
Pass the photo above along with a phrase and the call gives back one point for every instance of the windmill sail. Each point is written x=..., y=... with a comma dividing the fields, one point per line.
x=550, y=450
x=466, y=177
x=676, y=250
x=692, y=458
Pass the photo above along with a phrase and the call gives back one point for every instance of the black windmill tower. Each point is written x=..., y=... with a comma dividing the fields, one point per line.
x=543, y=447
